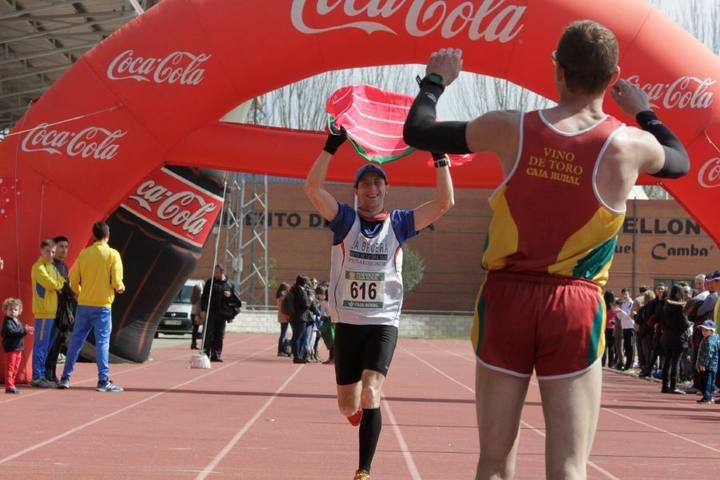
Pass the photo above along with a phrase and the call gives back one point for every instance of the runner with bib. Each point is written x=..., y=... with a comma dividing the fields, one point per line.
x=366, y=289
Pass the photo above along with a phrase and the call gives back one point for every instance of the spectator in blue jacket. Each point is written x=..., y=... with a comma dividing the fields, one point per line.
x=707, y=360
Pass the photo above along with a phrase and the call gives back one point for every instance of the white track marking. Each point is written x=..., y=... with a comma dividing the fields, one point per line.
x=409, y=461
x=236, y=438
x=119, y=411
x=524, y=423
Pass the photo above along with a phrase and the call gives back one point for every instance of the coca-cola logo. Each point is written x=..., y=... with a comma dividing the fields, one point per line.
x=490, y=20
x=175, y=205
x=181, y=67
x=684, y=92
x=91, y=142
x=709, y=174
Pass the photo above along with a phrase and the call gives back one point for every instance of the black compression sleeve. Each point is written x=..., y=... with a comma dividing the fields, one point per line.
x=423, y=131
x=677, y=162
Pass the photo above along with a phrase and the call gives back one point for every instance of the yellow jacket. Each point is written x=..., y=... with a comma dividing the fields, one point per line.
x=46, y=282
x=97, y=274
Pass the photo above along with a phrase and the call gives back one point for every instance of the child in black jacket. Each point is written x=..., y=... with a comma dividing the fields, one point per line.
x=13, y=332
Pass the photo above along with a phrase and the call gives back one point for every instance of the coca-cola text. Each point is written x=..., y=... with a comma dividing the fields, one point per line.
x=709, y=174
x=90, y=142
x=491, y=20
x=181, y=67
x=684, y=92
x=176, y=206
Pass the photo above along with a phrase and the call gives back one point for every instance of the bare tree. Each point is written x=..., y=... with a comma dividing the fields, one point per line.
x=699, y=17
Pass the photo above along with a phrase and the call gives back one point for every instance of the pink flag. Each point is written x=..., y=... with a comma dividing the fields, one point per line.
x=373, y=120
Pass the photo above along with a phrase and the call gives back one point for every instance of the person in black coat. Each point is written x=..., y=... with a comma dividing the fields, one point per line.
x=13, y=334
x=674, y=339
x=224, y=304
x=299, y=300
x=65, y=316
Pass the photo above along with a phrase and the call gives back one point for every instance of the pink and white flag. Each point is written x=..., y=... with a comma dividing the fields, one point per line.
x=373, y=120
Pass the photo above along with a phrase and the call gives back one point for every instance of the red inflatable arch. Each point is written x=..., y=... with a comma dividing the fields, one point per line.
x=153, y=92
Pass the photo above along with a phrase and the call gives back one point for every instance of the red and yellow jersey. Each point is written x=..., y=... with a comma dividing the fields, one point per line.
x=547, y=215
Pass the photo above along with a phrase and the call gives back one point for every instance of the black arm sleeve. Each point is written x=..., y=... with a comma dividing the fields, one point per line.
x=677, y=162
x=424, y=132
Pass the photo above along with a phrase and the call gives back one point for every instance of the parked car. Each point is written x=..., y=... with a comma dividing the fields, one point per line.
x=177, y=319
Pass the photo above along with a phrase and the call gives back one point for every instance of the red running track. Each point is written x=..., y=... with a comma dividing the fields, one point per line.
x=259, y=417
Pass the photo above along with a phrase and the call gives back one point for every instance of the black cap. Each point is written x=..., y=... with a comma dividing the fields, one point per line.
x=369, y=168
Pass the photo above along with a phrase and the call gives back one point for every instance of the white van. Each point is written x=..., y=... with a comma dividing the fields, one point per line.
x=178, y=318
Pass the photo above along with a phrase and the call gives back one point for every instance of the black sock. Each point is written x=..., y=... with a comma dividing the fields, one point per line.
x=369, y=434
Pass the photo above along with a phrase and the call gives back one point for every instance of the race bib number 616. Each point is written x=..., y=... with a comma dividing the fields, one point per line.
x=364, y=289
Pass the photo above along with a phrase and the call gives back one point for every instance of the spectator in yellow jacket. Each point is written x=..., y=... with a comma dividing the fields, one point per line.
x=96, y=277
x=46, y=283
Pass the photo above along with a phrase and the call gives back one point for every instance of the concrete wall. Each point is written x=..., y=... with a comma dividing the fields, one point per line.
x=412, y=325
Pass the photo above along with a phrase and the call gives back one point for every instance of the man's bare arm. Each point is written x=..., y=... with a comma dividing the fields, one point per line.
x=322, y=200
x=496, y=132
x=430, y=211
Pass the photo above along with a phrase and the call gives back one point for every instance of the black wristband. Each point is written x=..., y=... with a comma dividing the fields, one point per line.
x=431, y=79
x=440, y=159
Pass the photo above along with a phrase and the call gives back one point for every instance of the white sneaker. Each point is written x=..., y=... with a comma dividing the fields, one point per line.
x=108, y=386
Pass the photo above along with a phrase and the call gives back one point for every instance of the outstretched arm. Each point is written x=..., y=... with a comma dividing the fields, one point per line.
x=428, y=212
x=322, y=200
x=422, y=130
x=664, y=155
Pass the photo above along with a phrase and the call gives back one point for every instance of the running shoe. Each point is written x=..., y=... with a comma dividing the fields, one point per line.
x=42, y=382
x=355, y=418
x=108, y=386
x=63, y=384
x=361, y=475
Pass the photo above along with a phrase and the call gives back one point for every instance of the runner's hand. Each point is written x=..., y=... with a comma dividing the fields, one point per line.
x=334, y=141
x=630, y=98
x=446, y=62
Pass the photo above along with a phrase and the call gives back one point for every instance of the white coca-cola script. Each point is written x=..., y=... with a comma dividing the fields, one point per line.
x=709, y=174
x=684, y=92
x=488, y=20
x=181, y=67
x=91, y=142
x=183, y=209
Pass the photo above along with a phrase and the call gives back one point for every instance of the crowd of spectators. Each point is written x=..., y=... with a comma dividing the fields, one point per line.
x=303, y=306
x=667, y=335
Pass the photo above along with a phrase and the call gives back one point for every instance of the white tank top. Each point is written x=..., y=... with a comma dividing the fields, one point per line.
x=366, y=277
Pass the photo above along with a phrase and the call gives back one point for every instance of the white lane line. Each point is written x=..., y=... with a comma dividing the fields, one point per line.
x=659, y=429
x=42, y=391
x=231, y=444
x=662, y=430
x=522, y=422
x=467, y=357
x=409, y=461
x=117, y=412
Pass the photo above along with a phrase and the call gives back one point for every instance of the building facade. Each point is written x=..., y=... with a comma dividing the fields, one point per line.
x=659, y=242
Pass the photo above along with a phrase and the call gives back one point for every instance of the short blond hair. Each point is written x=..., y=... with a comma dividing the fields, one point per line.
x=11, y=302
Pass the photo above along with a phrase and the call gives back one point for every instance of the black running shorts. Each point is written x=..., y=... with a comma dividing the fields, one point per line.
x=362, y=347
